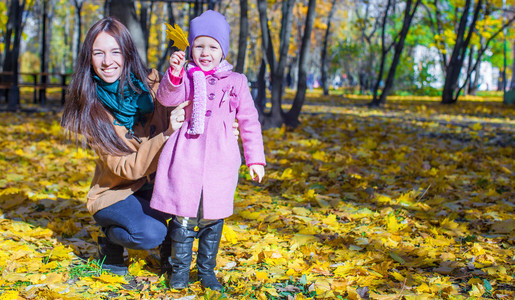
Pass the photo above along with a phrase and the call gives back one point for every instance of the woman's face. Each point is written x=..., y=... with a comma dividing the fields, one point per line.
x=107, y=58
x=206, y=53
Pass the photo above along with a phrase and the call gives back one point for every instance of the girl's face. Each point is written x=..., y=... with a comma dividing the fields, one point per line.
x=107, y=58
x=206, y=53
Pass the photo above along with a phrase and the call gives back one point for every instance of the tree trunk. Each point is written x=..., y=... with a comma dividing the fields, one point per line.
x=437, y=28
x=450, y=90
x=475, y=83
x=244, y=32
x=292, y=117
x=12, y=51
x=384, y=53
x=365, y=66
x=77, y=33
x=67, y=44
x=470, y=64
x=512, y=85
x=500, y=81
x=165, y=52
x=260, y=99
x=274, y=117
x=473, y=68
x=484, y=46
x=277, y=117
x=46, y=37
x=145, y=17
x=268, y=48
x=323, y=62
x=399, y=46
x=125, y=11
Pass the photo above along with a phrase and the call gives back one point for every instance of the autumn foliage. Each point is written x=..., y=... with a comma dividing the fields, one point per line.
x=414, y=200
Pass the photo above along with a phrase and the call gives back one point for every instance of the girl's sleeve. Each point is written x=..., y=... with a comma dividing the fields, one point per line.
x=249, y=126
x=172, y=90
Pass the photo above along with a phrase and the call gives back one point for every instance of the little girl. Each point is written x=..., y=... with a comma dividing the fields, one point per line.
x=198, y=168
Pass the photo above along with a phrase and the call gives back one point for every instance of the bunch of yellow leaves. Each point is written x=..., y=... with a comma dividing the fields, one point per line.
x=177, y=36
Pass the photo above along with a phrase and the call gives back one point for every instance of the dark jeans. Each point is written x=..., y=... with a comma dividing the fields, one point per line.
x=131, y=223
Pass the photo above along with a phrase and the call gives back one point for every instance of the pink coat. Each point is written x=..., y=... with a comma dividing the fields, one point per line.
x=207, y=164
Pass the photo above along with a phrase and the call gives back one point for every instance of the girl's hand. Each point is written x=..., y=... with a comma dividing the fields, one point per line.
x=177, y=60
x=177, y=117
x=257, y=172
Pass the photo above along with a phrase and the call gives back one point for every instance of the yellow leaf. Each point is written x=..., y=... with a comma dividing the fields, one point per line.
x=398, y=276
x=302, y=239
x=423, y=288
x=477, y=290
x=13, y=277
x=59, y=253
x=330, y=220
x=383, y=198
x=271, y=290
x=50, y=266
x=319, y=155
x=229, y=235
x=477, y=249
x=506, y=170
x=301, y=211
x=35, y=278
x=10, y=295
x=175, y=34
x=138, y=268
x=309, y=194
x=287, y=174
x=392, y=225
x=106, y=278
x=384, y=297
x=477, y=127
x=475, y=280
x=261, y=276
x=370, y=144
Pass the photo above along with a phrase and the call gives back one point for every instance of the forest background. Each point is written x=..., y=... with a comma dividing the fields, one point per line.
x=375, y=188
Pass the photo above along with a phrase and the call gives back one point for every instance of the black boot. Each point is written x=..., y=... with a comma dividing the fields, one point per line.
x=165, y=251
x=182, y=244
x=209, y=240
x=110, y=256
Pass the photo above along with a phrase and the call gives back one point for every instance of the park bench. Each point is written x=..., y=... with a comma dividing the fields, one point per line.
x=39, y=87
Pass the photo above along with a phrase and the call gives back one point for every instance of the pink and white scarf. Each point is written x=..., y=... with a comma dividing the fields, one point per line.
x=200, y=95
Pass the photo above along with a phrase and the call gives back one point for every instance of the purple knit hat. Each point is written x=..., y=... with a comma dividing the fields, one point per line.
x=212, y=24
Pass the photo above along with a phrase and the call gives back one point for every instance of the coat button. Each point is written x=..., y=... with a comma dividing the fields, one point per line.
x=208, y=113
x=211, y=96
x=212, y=81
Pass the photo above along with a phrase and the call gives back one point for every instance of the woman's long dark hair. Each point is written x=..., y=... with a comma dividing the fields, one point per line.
x=83, y=113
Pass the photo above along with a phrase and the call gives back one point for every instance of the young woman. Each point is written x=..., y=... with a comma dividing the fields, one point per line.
x=110, y=107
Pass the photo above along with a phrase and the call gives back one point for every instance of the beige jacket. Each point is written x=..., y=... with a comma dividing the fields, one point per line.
x=117, y=177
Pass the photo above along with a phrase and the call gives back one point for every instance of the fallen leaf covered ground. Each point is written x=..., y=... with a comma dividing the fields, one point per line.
x=414, y=200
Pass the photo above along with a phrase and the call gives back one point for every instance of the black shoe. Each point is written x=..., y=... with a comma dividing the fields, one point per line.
x=182, y=244
x=110, y=257
x=165, y=251
x=209, y=240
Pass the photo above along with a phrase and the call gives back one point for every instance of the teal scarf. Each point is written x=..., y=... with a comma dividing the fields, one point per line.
x=130, y=109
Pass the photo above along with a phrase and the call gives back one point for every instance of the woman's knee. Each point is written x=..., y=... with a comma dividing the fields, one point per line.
x=149, y=238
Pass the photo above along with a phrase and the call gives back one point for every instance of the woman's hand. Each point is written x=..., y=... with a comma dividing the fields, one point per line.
x=177, y=60
x=177, y=117
x=257, y=172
